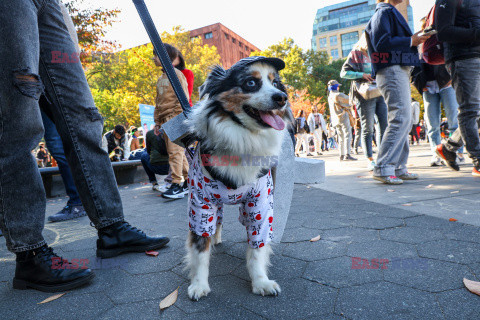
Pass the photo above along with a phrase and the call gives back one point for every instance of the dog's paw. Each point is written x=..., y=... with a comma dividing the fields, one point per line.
x=266, y=288
x=217, y=240
x=198, y=290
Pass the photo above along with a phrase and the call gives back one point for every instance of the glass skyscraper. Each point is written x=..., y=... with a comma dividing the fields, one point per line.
x=338, y=27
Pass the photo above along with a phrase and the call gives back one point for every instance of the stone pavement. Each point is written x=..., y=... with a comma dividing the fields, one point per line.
x=361, y=225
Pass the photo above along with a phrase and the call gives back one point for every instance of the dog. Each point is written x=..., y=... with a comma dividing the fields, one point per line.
x=240, y=124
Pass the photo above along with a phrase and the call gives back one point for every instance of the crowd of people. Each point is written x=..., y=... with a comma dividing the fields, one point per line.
x=380, y=97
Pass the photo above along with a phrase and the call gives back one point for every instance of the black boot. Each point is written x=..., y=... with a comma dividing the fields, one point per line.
x=43, y=270
x=121, y=237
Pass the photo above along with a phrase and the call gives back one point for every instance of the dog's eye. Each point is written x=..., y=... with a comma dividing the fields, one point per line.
x=275, y=84
x=251, y=83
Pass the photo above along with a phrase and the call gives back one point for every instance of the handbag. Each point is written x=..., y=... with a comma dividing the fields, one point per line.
x=368, y=90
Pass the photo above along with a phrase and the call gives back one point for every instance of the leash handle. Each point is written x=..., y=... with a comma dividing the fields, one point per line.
x=162, y=54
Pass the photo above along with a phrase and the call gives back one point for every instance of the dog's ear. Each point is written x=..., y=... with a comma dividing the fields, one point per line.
x=216, y=76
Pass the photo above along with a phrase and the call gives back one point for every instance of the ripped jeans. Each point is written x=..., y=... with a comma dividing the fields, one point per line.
x=30, y=32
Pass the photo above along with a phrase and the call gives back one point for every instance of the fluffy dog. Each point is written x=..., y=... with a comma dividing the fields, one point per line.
x=240, y=125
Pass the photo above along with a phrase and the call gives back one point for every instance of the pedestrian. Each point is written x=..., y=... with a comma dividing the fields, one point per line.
x=317, y=128
x=358, y=67
x=301, y=133
x=26, y=72
x=116, y=144
x=389, y=36
x=42, y=156
x=458, y=26
x=340, y=114
x=415, y=121
x=155, y=159
x=167, y=107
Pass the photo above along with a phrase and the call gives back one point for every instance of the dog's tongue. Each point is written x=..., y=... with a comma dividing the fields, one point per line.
x=272, y=120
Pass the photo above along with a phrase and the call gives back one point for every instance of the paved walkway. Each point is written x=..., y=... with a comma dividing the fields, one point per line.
x=361, y=224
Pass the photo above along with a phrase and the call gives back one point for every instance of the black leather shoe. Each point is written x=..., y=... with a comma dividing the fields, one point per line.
x=43, y=270
x=121, y=237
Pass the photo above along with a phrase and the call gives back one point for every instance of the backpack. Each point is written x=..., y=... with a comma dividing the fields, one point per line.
x=432, y=51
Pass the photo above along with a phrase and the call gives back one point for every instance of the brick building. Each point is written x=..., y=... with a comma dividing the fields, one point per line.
x=231, y=47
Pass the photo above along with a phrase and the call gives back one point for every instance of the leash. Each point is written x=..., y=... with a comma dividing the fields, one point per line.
x=162, y=55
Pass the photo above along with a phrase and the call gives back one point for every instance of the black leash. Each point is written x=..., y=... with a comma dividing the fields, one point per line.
x=162, y=54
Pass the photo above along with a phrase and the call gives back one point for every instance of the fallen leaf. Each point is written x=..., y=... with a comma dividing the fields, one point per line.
x=51, y=298
x=472, y=286
x=407, y=204
x=455, y=192
x=429, y=186
x=152, y=253
x=452, y=219
x=317, y=238
x=169, y=300
x=391, y=190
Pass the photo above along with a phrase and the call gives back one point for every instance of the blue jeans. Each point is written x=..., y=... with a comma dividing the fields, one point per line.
x=55, y=147
x=394, y=83
x=466, y=81
x=30, y=31
x=367, y=109
x=433, y=114
x=151, y=169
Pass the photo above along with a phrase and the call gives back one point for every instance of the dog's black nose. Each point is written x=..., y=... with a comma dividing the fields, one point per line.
x=280, y=99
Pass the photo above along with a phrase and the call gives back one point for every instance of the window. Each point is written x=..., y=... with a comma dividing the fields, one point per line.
x=334, y=54
x=322, y=42
x=348, y=41
x=226, y=36
x=333, y=41
x=240, y=45
x=208, y=35
x=234, y=41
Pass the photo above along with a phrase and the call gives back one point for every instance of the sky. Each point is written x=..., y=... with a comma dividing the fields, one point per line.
x=261, y=22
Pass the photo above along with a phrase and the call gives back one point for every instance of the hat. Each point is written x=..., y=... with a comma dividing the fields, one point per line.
x=274, y=62
x=333, y=82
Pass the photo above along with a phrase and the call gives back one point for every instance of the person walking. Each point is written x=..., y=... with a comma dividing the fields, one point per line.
x=358, y=67
x=415, y=120
x=340, y=119
x=458, y=26
x=317, y=128
x=393, y=50
x=301, y=135
x=167, y=107
x=26, y=72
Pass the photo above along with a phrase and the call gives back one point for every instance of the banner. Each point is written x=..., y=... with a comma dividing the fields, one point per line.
x=146, y=118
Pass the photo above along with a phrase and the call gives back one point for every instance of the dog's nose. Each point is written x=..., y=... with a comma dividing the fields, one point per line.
x=280, y=99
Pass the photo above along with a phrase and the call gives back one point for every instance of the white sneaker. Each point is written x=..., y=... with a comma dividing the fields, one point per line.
x=436, y=162
x=161, y=188
x=371, y=165
x=460, y=160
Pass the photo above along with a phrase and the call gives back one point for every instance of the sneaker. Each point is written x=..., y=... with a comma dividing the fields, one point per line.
x=460, y=160
x=174, y=192
x=476, y=168
x=349, y=158
x=38, y=269
x=436, y=162
x=389, y=179
x=121, y=237
x=342, y=158
x=371, y=165
x=319, y=154
x=161, y=188
x=356, y=151
x=68, y=213
x=449, y=157
x=409, y=176
x=185, y=187
x=310, y=155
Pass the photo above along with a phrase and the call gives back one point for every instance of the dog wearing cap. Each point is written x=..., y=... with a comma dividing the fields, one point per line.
x=240, y=124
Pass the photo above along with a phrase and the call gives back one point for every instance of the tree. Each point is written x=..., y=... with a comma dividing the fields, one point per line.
x=125, y=79
x=91, y=25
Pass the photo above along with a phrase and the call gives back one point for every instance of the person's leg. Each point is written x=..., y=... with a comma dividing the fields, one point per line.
x=466, y=81
x=395, y=87
x=317, y=140
x=342, y=140
x=55, y=147
x=366, y=111
x=381, y=112
x=348, y=133
x=78, y=121
x=450, y=104
x=298, y=143
x=145, y=159
x=22, y=196
x=432, y=118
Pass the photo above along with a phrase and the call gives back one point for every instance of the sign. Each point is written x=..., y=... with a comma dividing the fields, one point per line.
x=146, y=118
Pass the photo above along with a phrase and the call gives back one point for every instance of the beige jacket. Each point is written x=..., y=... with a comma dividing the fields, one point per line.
x=339, y=105
x=167, y=105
